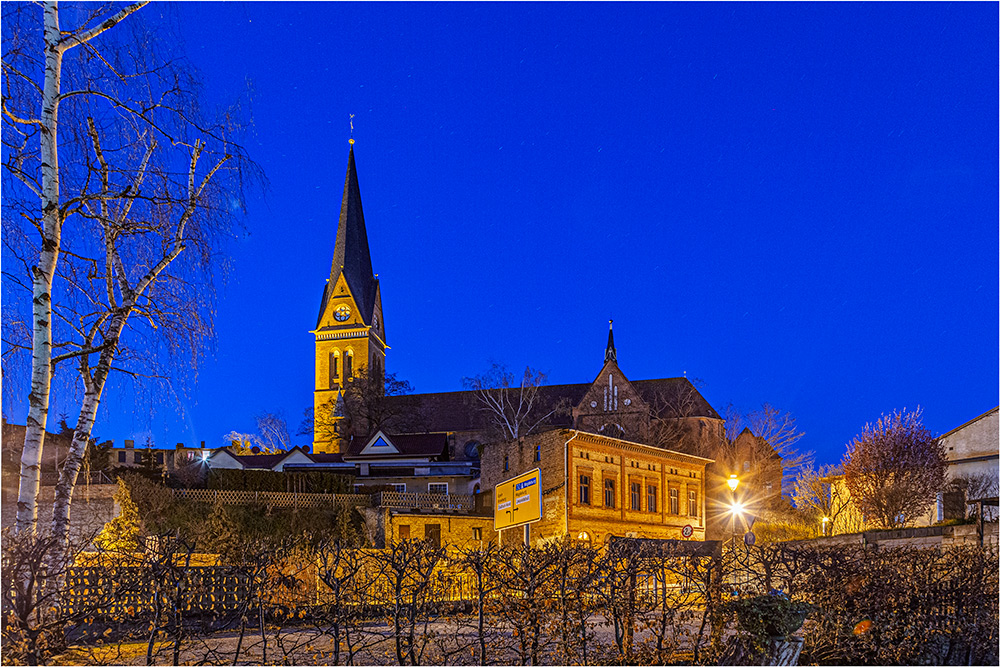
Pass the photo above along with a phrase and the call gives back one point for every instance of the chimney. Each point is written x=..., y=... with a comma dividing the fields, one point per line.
x=203, y=444
x=129, y=444
x=180, y=445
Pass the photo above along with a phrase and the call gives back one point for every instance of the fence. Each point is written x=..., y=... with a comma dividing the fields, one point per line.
x=273, y=498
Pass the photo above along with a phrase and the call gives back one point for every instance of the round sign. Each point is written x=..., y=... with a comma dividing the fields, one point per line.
x=749, y=539
x=687, y=531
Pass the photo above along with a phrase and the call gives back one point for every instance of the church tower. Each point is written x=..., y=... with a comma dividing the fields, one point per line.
x=349, y=334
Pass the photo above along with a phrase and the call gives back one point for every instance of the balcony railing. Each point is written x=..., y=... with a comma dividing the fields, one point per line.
x=435, y=501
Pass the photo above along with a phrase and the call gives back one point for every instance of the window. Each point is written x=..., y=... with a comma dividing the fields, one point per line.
x=399, y=488
x=121, y=457
x=584, y=489
x=437, y=487
x=506, y=463
x=477, y=534
x=334, y=360
x=674, y=502
x=746, y=466
x=404, y=532
x=651, y=493
x=357, y=488
x=636, y=493
x=692, y=503
x=432, y=533
x=609, y=493
x=348, y=365
x=136, y=457
x=159, y=457
x=538, y=452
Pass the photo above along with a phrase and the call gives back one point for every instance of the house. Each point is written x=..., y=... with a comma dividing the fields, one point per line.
x=594, y=487
x=973, y=472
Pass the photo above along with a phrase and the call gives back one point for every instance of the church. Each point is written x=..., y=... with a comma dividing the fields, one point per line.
x=449, y=443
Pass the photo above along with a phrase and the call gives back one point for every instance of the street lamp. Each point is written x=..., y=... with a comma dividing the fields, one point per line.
x=735, y=509
x=733, y=482
x=826, y=522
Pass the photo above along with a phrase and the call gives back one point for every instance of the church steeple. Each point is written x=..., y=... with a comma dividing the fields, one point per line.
x=350, y=333
x=610, y=354
x=351, y=256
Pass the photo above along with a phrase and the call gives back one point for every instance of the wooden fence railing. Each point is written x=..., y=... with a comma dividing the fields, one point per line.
x=273, y=498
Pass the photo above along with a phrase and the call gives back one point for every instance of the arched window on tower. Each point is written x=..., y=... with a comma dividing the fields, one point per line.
x=376, y=367
x=348, y=364
x=334, y=376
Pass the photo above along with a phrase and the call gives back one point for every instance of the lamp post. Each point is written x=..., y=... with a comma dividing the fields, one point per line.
x=733, y=482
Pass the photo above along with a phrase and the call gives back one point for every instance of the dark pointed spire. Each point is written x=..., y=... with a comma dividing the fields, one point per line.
x=350, y=253
x=610, y=354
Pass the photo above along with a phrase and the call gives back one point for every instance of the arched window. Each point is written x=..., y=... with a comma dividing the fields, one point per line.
x=348, y=364
x=613, y=431
x=334, y=376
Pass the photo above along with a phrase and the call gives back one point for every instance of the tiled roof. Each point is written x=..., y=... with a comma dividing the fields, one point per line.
x=410, y=444
x=462, y=411
x=326, y=458
x=260, y=461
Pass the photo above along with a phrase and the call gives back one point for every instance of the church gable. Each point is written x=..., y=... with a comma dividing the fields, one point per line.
x=341, y=308
x=612, y=406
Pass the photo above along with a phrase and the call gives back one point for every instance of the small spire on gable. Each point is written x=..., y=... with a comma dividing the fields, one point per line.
x=610, y=354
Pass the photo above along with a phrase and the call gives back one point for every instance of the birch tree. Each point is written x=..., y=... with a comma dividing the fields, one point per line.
x=150, y=179
x=37, y=120
x=512, y=402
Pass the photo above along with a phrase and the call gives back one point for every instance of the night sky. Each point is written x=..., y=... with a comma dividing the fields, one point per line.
x=793, y=203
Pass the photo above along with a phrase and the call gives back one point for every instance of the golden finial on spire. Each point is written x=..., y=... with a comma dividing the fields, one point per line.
x=351, y=140
x=611, y=324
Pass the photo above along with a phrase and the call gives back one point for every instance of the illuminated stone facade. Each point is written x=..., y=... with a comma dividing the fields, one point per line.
x=594, y=486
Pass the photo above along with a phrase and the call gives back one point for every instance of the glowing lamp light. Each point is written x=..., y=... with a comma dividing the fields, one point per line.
x=737, y=508
x=204, y=456
x=862, y=627
x=732, y=482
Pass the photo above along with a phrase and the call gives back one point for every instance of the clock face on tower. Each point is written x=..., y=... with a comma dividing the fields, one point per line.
x=342, y=312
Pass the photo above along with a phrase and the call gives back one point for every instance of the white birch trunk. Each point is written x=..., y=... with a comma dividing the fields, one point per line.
x=42, y=275
x=44, y=271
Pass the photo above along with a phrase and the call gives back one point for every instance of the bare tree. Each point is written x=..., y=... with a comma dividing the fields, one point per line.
x=511, y=401
x=817, y=494
x=376, y=401
x=894, y=469
x=670, y=421
x=149, y=179
x=273, y=431
x=31, y=100
x=776, y=433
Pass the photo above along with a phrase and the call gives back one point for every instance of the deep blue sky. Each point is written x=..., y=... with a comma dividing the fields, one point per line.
x=795, y=203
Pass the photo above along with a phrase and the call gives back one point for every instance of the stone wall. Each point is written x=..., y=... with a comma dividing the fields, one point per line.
x=93, y=506
x=926, y=537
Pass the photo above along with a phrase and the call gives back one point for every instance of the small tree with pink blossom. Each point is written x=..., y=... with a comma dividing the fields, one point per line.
x=894, y=469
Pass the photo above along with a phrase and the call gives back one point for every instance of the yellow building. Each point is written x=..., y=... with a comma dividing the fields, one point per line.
x=595, y=487
x=349, y=333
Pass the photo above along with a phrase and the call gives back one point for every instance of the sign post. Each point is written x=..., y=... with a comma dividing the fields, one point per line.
x=518, y=502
